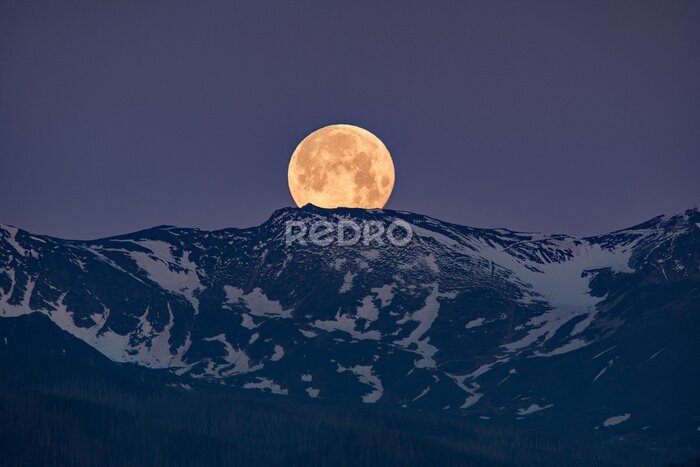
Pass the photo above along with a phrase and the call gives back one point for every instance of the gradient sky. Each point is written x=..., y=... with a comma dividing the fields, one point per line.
x=575, y=117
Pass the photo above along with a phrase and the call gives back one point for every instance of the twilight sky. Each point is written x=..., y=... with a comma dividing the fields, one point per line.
x=575, y=117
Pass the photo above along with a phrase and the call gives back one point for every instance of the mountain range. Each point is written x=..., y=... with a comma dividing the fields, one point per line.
x=588, y=337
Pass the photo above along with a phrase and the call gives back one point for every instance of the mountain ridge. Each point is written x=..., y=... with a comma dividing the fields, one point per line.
x=486, y=323
x=310, y=207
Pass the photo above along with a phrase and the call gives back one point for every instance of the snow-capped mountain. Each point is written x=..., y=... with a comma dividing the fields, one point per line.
x=597, y=334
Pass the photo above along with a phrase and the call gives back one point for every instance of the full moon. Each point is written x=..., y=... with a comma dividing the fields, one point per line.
x=341, y=166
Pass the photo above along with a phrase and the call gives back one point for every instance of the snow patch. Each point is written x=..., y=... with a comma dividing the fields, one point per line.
x=472, y=390
x=425, y=318
x=602, y=372
x=533, y=408
x=655, y=354
x=385, y=294
x=279, y=353
x=237, y=361
x=12, y=239
x=616, y=420
x=346, y=323
x=431, y=262
x=265, y=384
x=563, y=282
x=347, y=282
x=178, y=275
x=368, y=311
x=570, y=346
x=475, y=323
x=308, y=334
x=366, y=376
x=423, y=393
x=257, y=302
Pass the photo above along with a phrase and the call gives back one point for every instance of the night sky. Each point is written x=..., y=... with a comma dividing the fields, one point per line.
x=575, y=117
